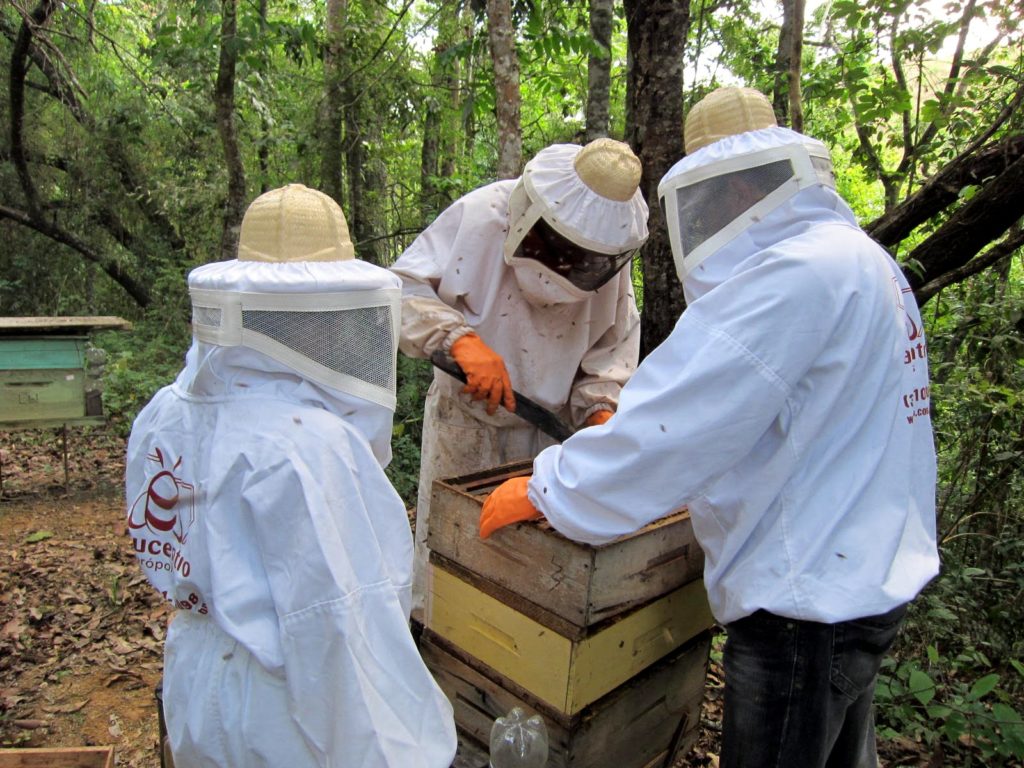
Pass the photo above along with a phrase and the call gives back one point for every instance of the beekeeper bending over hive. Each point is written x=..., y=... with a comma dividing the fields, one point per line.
x=258, y=505
x=523, y=283
x=789, y=409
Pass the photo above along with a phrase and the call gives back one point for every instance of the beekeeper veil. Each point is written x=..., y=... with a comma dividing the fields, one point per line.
x=739, y=168
x=297, y=316
x=576, y=218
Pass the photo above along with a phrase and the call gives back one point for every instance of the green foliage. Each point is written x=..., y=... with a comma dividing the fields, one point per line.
x=141, y=362
x=414, y=377
x=956, y=705
x=960, y=685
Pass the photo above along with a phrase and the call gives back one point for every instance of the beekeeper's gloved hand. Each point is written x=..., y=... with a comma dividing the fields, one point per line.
x=507, y=504
x=599, y=417
x=486, y=374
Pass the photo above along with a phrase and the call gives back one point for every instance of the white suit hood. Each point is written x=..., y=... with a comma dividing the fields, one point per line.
x=810, y=206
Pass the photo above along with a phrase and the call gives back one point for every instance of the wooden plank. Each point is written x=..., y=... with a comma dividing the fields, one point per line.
x=664, y=556
x=583, y=584
x=633, y=726
x=52, y=423
x=565, y=672
x=58, y=757
x=33, y=325
x=548, y=570
x=469, y=754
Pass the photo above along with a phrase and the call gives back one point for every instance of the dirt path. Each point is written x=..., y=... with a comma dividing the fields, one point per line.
x=81, y=633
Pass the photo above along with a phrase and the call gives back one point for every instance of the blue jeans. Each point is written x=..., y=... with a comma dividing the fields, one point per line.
x=798, y=694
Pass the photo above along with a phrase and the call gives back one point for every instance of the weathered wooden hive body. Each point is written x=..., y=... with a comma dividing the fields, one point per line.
x=608, y=643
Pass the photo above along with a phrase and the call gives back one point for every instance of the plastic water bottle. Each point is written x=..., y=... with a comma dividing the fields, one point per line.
x=518, y=741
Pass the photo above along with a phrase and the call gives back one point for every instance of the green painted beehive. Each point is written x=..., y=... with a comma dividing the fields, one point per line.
x=49, y=375
x=42, y=379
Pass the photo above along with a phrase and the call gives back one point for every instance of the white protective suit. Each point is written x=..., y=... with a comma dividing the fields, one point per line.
x=569, y=350
x=258, y=505
x=788, y=409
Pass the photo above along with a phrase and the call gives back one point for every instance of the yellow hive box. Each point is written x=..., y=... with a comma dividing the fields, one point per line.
x=565, y=666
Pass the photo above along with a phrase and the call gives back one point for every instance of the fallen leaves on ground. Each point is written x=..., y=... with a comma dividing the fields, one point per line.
x=81, y=632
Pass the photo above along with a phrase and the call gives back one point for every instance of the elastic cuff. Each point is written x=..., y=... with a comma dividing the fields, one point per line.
x=594, y=409
x=453, y=336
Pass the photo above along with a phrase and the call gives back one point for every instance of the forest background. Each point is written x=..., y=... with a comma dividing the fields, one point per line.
x=137, y=131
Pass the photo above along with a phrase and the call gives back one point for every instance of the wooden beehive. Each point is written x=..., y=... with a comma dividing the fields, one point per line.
x=582, y=584
x=563, y=665
x=58, y=757
x=649, y=720
x=47, y=376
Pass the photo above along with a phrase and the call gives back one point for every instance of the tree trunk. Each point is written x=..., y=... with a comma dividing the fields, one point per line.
x=224, y=100
x=355, y=160
x=599, y=70
x=441, y=108
x=139, y=292
x=786, y=99
x=506, y=88
x=430, y=153
x=364, y=166
x=365, y=180
x=16, y=82
x=263, y=151
x=331, y=117
x=656, y=37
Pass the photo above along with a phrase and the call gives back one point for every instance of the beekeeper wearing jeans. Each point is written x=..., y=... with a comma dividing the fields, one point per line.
x=789, y=410
x=258, y=505
x=524, y=283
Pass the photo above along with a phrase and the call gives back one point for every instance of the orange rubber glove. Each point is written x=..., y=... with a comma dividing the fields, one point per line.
x=599, y=417
x=486, y=374
x=507, y=504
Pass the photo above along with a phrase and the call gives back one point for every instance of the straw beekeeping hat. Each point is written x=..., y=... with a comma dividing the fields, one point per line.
x=609, y=168
x=294, y=223
x=726, y=112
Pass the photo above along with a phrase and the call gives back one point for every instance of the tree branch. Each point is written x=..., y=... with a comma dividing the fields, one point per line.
x=16, y=81
x=137, y=291
x=993, y=255
x=984, y=218
x=946, y=99
x=224, y=102
x=944, y=188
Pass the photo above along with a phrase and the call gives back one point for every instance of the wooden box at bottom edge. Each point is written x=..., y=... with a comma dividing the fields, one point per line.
x=58, y=757
x=650, y=720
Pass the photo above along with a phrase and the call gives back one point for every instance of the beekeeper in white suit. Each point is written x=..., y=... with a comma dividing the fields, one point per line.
x=258, y=505
x=789, y=410
x=523, y=282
